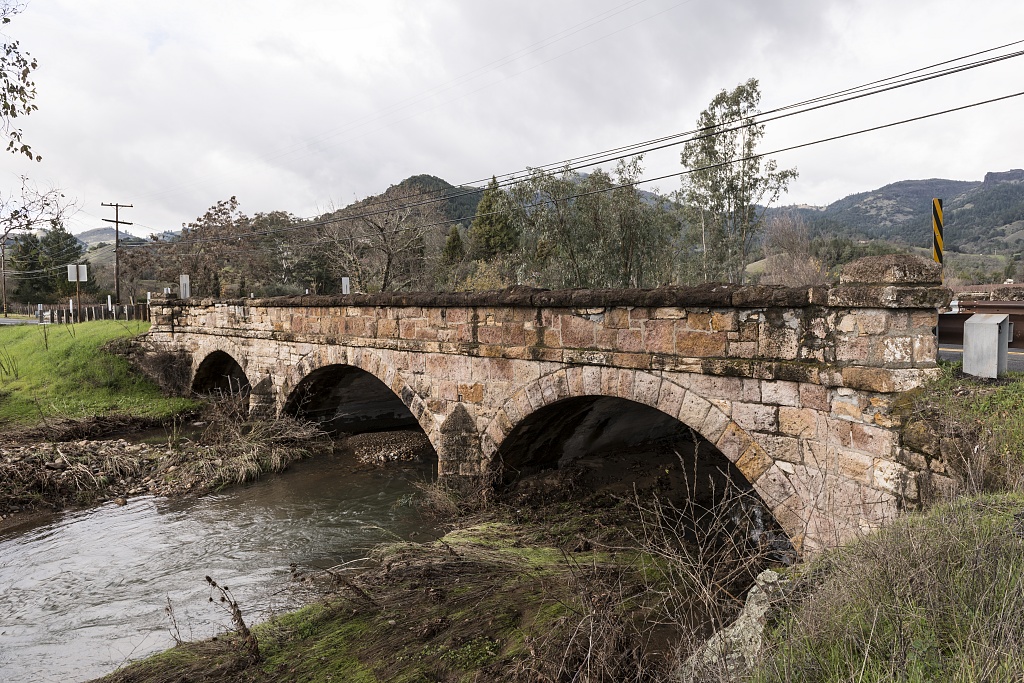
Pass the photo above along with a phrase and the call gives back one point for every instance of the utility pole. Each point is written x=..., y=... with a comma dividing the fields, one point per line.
x=117, y=245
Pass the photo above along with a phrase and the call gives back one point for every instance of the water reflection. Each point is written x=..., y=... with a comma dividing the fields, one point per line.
x=85, y=593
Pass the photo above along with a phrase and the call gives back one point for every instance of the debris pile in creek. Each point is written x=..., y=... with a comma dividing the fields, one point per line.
x=52, y=476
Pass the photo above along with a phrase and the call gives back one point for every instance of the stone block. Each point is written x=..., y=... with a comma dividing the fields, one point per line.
x=738, y=349
x=668, y=313
x=670, y=399
x=629, y=341
x=750, y=391
x=578, y=333
x=724, y=321
x=574, y=379
x=774, y=486
x=875, y=440
x=895, y=351
x=591, y=381
x=693, y=411
x=926, y=350
x=733, y=442
x=854, y=465
x=756, y=416
x=784, y=448
x=780, y=393
x=714, y=423
x=814, y=396
x=893, y=477
x=627, y=380
x=646, y=388
x=607, y=339
x=700, y=322
x=659, y=336
x=700, y=344
x=801, y=422
x=754, y=462
x=638, y=361
x=616, y=318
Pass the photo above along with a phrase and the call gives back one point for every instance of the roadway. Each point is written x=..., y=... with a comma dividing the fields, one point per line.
x=17, y=321
x=955, y=352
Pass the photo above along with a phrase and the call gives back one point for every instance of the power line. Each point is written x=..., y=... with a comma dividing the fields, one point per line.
x=626, y=185
x=838, y=97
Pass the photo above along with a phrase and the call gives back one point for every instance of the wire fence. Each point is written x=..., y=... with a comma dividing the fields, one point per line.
x=63, y=314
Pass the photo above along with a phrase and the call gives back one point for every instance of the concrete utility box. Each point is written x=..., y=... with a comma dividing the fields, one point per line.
x=986, y=337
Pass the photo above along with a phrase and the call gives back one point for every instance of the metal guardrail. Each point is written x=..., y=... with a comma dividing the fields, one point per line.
x=951, y=325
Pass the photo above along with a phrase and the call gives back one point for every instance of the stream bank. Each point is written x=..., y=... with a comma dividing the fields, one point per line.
x=584, y=568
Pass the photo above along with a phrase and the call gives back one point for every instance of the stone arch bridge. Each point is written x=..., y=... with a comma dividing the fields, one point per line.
x=794, y=386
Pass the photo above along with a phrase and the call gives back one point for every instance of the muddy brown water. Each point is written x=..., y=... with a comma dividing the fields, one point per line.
x=87, y=591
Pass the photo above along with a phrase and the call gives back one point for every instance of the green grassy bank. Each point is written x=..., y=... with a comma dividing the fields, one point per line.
x=63, y=371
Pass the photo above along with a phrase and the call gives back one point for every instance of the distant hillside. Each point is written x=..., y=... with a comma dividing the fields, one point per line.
x=459, y=203
x=100, y=235
x=981, y=217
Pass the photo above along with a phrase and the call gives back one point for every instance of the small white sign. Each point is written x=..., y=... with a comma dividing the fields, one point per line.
x=345, y=289
x=184, y=287
x=78, y=273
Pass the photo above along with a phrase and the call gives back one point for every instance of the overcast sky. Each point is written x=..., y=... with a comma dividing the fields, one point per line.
x=304, y=106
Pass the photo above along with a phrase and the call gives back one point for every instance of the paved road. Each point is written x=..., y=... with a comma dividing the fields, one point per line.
x=17, y=321
x=1014, y=358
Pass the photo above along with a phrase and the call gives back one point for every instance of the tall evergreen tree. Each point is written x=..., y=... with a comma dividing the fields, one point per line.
x=492, y=233
x=58, y=248
x=31, y=283
x=454, y=250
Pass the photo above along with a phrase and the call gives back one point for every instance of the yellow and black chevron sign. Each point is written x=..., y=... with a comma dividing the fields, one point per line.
x=937, y=245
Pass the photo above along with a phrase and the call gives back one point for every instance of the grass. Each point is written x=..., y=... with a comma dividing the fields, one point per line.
x=937, y=596
x=975, y=426
x=63, y=371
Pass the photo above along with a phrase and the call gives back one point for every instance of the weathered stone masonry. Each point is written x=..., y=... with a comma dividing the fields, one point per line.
x=793, y=385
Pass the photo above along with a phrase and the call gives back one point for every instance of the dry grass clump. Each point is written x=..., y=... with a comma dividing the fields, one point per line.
x=933, y=597
x=234, y=450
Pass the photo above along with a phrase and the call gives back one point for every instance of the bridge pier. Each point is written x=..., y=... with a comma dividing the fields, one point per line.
x=794, y=386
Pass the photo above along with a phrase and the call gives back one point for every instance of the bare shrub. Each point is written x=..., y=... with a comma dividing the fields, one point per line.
x=636, y=611
x=787, y=250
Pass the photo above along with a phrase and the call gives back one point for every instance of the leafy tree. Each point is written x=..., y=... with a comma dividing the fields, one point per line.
x=492, y=232
x=17, y=90
x=591, y=231
x=728, y=186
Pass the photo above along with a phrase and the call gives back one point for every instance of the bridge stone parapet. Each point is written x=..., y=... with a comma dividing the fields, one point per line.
x=793, y=385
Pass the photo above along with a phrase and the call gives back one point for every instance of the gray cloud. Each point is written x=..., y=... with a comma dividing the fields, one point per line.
x=301, y=106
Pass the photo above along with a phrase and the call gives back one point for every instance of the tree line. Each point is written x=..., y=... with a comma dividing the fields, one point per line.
x=549, y=228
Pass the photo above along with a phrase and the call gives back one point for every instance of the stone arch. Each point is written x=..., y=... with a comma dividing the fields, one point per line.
x=655, y=391
x=223, y=358
x=371, y=362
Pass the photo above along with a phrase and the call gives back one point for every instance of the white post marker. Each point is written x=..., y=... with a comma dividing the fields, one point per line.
x=344, y=285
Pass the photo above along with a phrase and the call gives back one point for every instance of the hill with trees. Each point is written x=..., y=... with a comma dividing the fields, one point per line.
x=985, y=217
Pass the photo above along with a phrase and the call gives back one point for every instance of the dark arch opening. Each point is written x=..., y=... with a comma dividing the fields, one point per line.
x=219, y=373
x=618, y=446
x=347, y=401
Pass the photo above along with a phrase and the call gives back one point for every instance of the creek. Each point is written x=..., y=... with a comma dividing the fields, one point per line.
x=87, y=591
